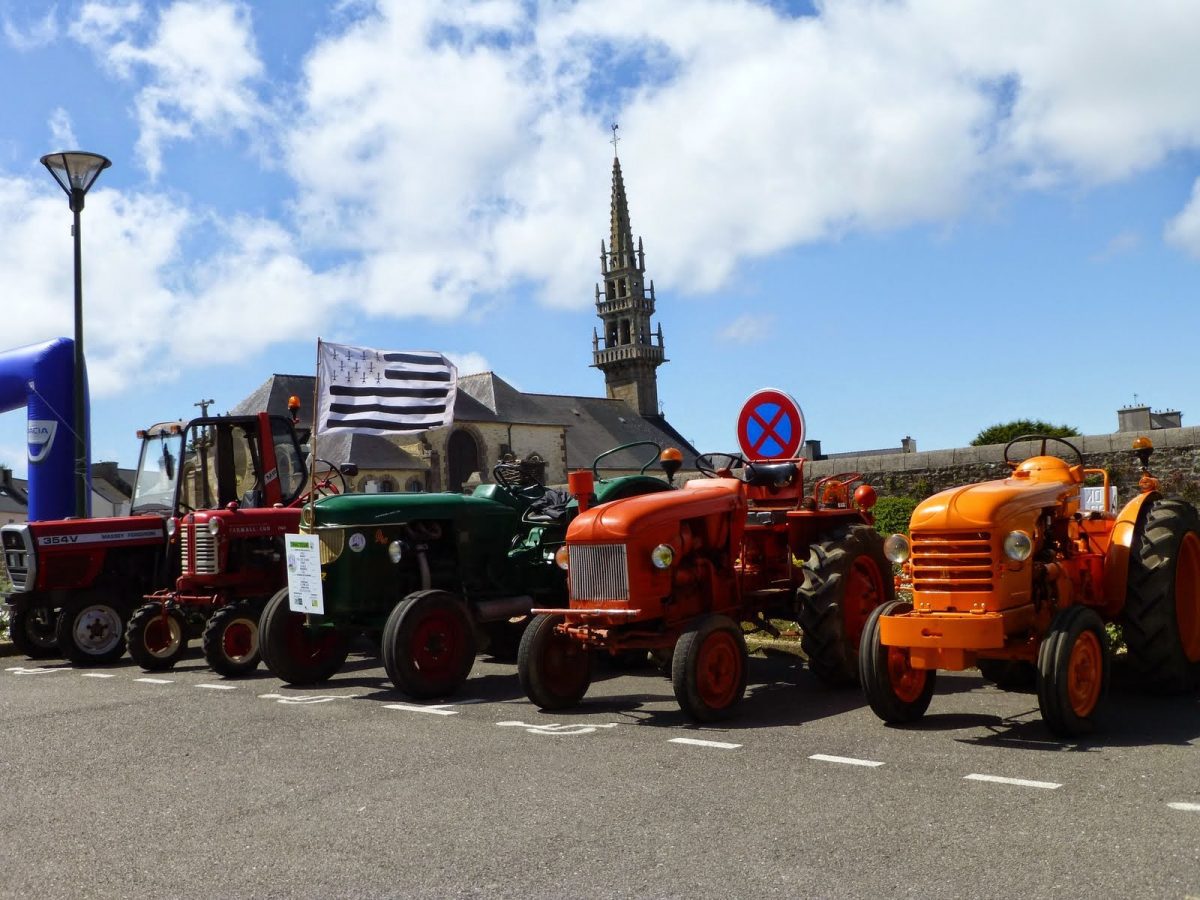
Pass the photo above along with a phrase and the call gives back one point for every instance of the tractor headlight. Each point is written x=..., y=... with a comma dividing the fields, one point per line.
x=214, y=526
x=171, y=526
x=897, y=548
x=662, y=556
x=1018, y=546
x=395, y=552
x=562, y=557
x=307, y=517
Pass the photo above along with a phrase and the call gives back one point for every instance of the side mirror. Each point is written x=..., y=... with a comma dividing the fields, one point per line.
x=350, y=469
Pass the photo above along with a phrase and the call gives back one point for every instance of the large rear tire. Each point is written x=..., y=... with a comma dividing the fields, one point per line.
x=295, y=652
x=1073, y=665
x=845, y=578
x=156, y=641
x=428, y=644
x=230, y=641
x=896, y=692
x=91, y=630
x=1161, y=619
x=708, y=669
x=32, y=631
x=555, y=671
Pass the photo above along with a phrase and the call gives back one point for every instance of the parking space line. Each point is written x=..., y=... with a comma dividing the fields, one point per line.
x=155, y=680
x=97, y=675
x=218, y=687
x=696, y=742
x=1019, y=782
x=846, y=760
x=1185, y=807
x=439, y=710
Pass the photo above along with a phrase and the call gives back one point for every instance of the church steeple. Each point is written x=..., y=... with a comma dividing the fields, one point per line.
x=629, y=356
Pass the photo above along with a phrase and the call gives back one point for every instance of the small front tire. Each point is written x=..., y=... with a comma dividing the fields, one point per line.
x=90, y=631
x=708, y=669
x=1073, y=668
x=295, y=651
x=896, y=692
x=555, y=670
x=32, y=632
x=230, y=640
x=157, y=639
x=428, y=644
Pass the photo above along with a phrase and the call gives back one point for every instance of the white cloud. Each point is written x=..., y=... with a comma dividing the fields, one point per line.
x=34, y=36
x=748, y=328
x=61, y=131
x=1118, y=245
x=468, y=362
x=1183, y=231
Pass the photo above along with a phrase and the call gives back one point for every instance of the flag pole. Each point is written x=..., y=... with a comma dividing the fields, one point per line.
x=316, y=413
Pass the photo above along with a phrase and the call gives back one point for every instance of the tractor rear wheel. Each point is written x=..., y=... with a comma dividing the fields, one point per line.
x=708, y=669
x=32, y=631
x=91, y=630
x=156, y=640
x=896, y=692
x=555, y=671
x=428, y=644
x=230, y=640
x=294, y=651
x=1161, y=620
x=1009, y=674
x=1072, y=671
x=845, y=578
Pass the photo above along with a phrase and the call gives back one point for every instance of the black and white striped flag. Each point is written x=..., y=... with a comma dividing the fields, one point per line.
x=384, y=391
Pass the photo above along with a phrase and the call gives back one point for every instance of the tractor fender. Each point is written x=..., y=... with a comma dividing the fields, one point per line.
x=1116, y=559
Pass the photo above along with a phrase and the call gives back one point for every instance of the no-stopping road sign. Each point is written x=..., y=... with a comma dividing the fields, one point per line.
x=770, y=426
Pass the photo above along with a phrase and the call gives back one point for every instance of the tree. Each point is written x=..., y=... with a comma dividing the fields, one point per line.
x=1006, y=431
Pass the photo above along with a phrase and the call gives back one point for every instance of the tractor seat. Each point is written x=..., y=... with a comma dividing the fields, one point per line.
x=769, y=474
x=548, y=508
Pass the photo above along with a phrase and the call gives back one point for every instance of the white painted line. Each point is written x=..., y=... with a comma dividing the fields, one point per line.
x=1019, y=782
x=97, y=675
x=434, y=710
x=846, y=760
x=154, y=680
x=35, y=670
x=218, y=687
x=1185, y=807
x=305, y=699
x=570, y=730
x=695, y=742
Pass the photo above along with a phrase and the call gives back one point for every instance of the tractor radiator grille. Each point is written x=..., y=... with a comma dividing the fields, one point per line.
x=205, y=552
x=598, y=572
x=958, y=561
x=17, y=556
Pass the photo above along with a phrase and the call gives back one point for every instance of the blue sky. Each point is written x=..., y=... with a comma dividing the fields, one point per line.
x=919, y=218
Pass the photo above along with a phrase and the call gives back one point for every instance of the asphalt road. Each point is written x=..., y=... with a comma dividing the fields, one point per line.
x=117, y=783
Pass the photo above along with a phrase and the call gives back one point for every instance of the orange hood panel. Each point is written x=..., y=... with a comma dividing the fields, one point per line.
x=990, y=503
x=615, y=522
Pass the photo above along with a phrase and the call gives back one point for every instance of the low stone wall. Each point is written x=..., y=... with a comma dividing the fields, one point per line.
x=1176, y=463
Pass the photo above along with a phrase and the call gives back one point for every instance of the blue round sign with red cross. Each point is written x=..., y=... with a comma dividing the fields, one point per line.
x=770, y=426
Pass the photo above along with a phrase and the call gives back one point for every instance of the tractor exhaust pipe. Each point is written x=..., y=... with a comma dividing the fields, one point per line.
x=503, y=608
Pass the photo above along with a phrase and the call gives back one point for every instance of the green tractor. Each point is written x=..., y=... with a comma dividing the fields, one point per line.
x=432, y=578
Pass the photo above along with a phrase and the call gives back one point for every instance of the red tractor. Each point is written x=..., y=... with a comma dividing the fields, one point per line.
x=678, y=573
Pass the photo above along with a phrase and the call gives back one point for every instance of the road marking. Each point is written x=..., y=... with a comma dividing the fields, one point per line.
x=846, y=760
x=302, y=700
x=568, y=730
x=1185, y=807
x=154, y=680
x=218, y=687
x=439, y=710
x=97, y=675
x=696, y=742
x=1019, y=782
x=36, y=670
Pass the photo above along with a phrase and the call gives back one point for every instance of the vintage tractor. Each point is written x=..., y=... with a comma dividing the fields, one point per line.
x=432, y=576
x=677, y=574
x=1014, y=577
x=77, y=581
x=230, y=551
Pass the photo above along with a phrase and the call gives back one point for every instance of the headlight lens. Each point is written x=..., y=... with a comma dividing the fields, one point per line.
x=395, y=552
x=1018, y=546
x=307, y=515
x=897, y=548
x=662, y=556
x=214, y=525
x=562, y=557
x=171, y=525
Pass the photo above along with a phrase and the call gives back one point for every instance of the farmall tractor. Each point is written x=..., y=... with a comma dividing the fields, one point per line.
x=431, y=577
x=231, y=553
x=77, y=581
x=1014, y=577
x=677, y=574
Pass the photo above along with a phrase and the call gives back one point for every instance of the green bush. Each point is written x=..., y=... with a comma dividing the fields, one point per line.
x=892, y=514
x=1006, y=431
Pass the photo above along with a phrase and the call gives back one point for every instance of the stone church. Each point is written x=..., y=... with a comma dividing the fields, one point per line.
x=494, y=421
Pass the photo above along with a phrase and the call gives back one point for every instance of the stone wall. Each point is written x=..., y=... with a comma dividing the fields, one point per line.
x=1176, y=463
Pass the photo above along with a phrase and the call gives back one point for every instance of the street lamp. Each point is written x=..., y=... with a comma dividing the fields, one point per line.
x=75, y=173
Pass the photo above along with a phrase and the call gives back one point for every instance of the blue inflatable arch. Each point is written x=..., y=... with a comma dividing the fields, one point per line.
x=39, y=377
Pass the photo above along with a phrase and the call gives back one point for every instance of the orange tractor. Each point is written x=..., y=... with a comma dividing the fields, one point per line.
x=677, y=573
x=1014, y=577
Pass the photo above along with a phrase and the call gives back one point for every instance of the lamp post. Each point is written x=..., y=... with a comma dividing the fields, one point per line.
x=75, y=173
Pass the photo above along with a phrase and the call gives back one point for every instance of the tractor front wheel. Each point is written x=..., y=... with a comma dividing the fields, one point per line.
x=428, y=644
x=708, y=669
x=295, y=651
x=32, y=632
x=90, y=631
x=896, y=692
x=157, y=639
x=845, y=578
x=1161, y=619
x=230, y=640
x=1072, y=671
x=554, y=670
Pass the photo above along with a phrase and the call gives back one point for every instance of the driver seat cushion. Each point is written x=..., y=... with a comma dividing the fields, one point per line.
x=770, y=474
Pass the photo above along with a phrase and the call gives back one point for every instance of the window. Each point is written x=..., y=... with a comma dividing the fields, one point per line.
x=415, y=486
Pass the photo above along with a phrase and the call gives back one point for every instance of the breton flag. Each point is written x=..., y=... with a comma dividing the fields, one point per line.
x=384, y=391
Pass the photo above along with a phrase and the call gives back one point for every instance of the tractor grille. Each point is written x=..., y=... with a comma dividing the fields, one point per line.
x=958, y=561
x=332, y=543
x=598, y=572
x=205, y=549
x=18, y=553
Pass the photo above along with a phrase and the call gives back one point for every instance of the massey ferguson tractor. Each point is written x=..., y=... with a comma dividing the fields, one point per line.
x=431, y=577
x=677, y=574
x=76, y=582
x=1014, y=577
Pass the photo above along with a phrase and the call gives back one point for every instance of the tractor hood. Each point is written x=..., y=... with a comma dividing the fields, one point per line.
x=385, y=509
x=1037, y=483
x=617, y=521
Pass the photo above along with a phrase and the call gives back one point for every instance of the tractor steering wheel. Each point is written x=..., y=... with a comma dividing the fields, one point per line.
x=1013, y=463
x=707, y=464
x=510, y=477
x=325, y=487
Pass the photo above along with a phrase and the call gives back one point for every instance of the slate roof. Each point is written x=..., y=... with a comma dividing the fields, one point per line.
x=367, y=451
